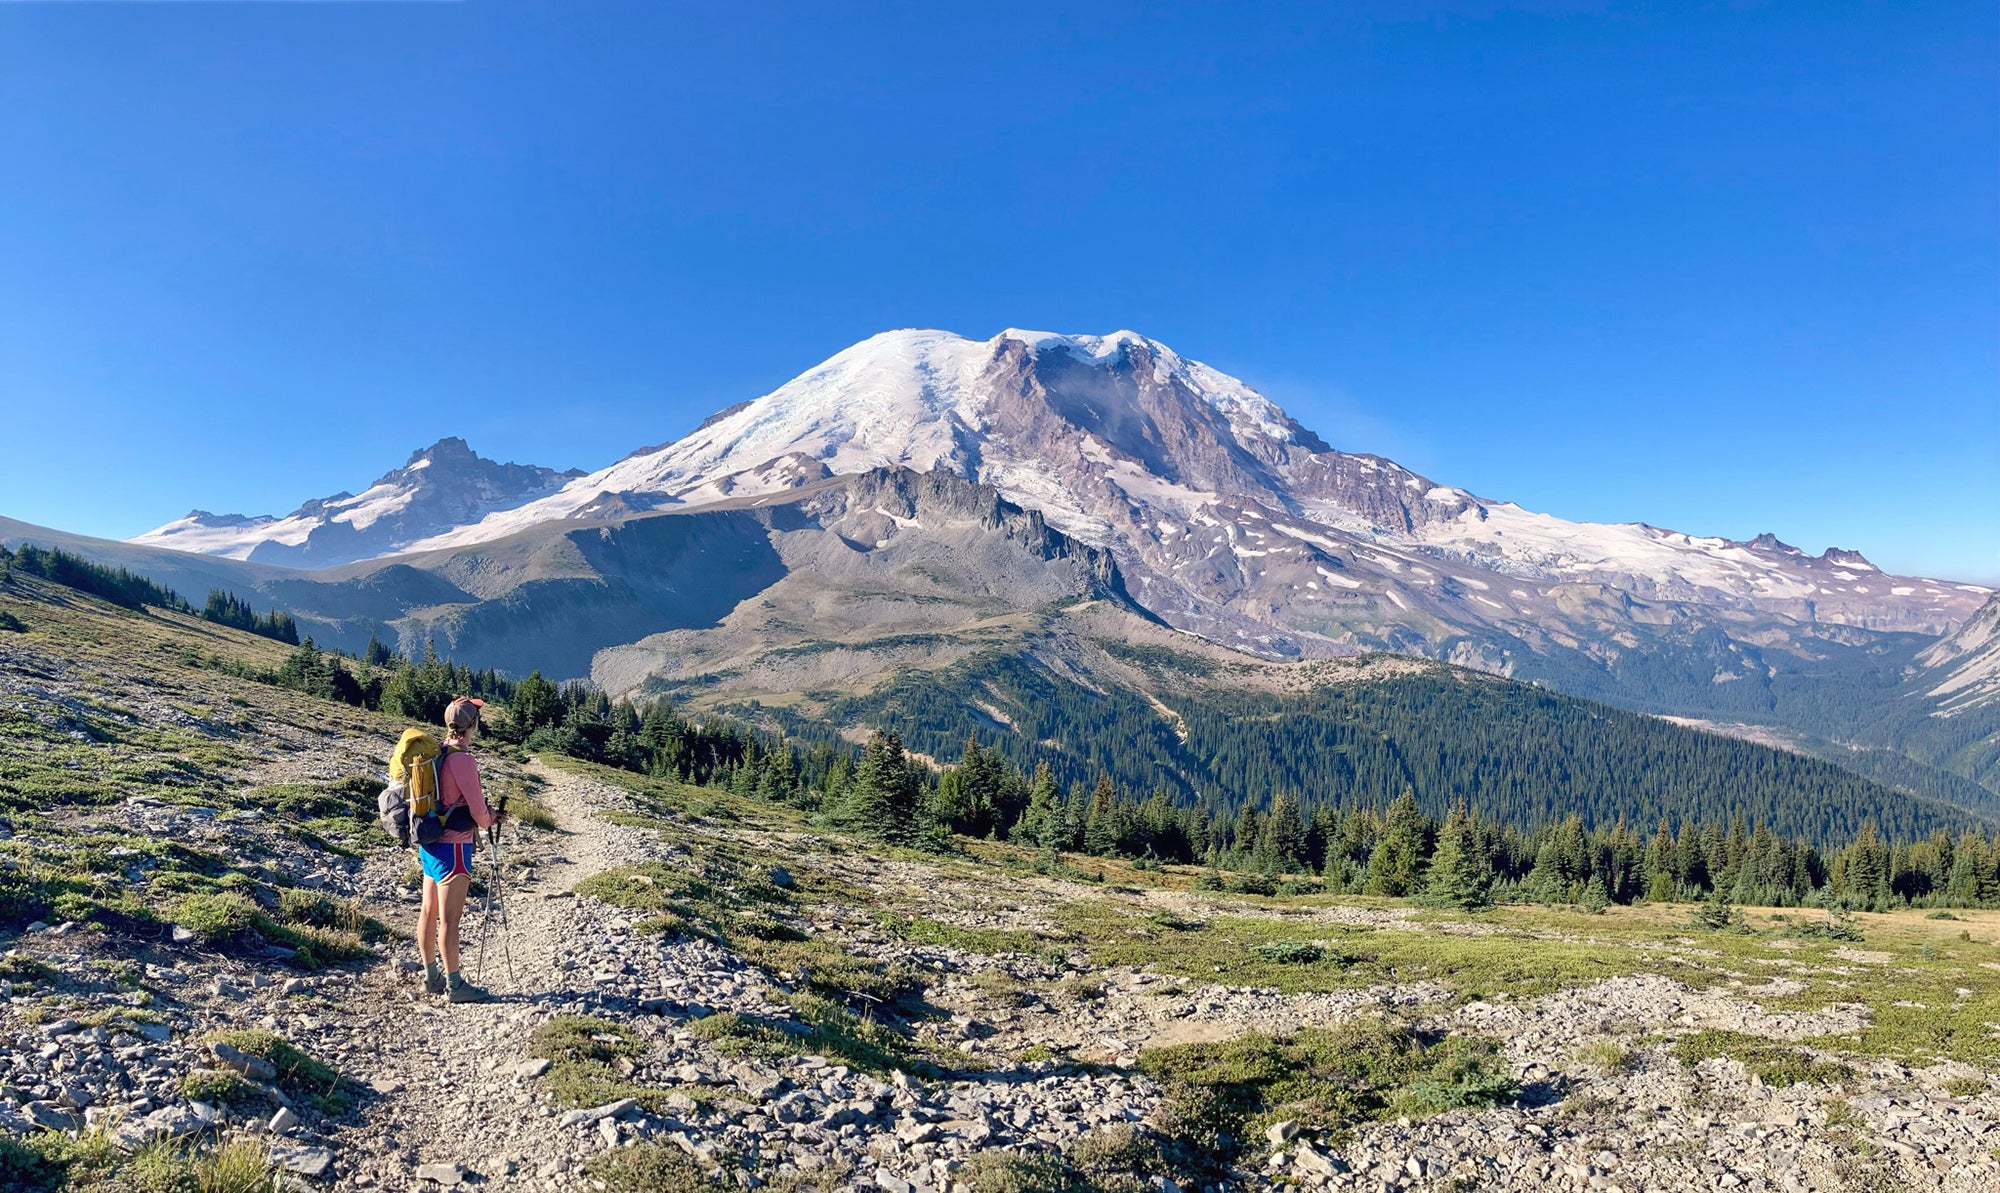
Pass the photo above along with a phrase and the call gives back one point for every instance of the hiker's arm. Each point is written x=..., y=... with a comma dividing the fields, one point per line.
x=467, y=774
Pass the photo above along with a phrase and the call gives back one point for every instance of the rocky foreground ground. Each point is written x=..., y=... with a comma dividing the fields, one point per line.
x=435, y=1095
x=707, y=992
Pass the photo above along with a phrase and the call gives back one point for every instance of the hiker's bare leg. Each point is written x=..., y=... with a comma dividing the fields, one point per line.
x=454, y=909
x=427, y=922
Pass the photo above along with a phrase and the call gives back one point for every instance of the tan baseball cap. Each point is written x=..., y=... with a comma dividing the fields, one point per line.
x=463, y=713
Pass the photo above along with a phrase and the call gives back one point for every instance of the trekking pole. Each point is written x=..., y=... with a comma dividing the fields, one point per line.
x=496, y=900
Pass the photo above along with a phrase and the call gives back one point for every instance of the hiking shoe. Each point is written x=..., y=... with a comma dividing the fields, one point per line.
x=434, y=981
x=464, y=991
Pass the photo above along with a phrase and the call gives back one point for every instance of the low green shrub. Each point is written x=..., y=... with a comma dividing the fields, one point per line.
x=584, y=1052
x=1773, y=1063
x=217, y=1087
x=1293, y=952
x=824, y=1028
x=1220, y=1095
x=1253, y=884
x=996, y=1171
x=650, y=1168
x=215, y=918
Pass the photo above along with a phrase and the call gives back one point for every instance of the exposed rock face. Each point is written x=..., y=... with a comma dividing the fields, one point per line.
x=440, y=487
x=1963, y=670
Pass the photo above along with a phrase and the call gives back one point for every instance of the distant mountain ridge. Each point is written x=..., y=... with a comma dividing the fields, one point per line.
x=439, y=487
x=1231, y=518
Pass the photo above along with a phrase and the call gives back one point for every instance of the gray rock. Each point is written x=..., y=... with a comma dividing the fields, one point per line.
x=256, y=1068
x=1282, y=1133
x=448, y=1175
x=46, y=1114
x=283, y=1121
x=531, y=1068
x=607, y=1130
x=309, y=1162
x=171, y=1122
x=159, y=1033
x=60, y=1027
x=618, y=1109
x=185, y=935
x=1311, y=1160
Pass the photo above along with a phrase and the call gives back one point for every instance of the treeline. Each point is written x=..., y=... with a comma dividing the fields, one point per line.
x=1518, y=754
x=225, y=608
x=1386, y=847
x=389, y=683
x=127, y=590
x=1374, y=846
x=117, y=585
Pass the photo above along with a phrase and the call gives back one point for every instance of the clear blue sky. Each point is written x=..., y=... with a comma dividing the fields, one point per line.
x=1726, y=268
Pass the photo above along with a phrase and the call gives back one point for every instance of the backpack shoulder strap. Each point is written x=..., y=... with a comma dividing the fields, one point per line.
x=444, y=752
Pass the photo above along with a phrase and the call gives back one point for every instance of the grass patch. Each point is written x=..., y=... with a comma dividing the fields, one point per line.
x=1773, y=1063
x=651, y=1168
x=990, y=941
x=1220, y=1096
x=1604, y=1057
x=528, y=810
x=299, y=1073
x=592, y=1061
x=51, y=1162
x=824, y=1028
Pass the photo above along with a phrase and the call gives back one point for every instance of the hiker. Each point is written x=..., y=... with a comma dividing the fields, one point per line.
x=448, y=862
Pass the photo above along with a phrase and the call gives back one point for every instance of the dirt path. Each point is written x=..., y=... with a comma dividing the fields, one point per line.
x=446, y=1084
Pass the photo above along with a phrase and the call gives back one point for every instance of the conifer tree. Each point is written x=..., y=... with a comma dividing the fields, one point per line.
x=1041, y=822
x=1395, y=867
x=1100, y=826
x=1460, y=876
x=1283, y=838
x=885, y=800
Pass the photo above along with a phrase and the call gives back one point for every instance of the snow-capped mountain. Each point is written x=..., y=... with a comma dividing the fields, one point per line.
x=1226, y=517
x=443, y=486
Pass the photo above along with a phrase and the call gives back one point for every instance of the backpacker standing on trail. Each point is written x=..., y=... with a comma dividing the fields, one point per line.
x=447, y=862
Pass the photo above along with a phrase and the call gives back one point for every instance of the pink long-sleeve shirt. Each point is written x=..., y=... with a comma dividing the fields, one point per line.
x=458, y=783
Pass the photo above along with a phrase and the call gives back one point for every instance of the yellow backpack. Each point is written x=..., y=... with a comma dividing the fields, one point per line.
x=411, y=807
x=414, y=764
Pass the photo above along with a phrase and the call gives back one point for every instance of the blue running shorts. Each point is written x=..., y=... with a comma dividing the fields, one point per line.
x=442, y=862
